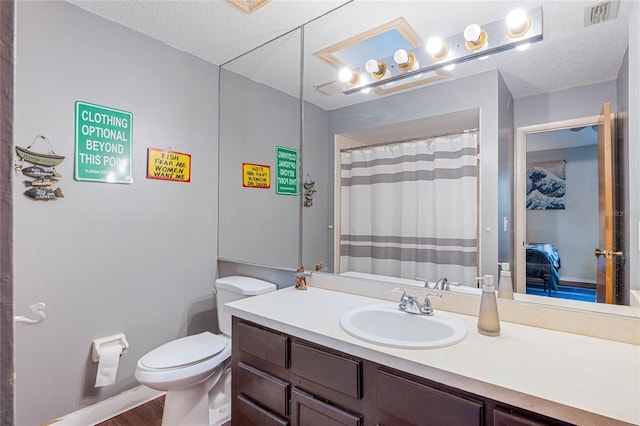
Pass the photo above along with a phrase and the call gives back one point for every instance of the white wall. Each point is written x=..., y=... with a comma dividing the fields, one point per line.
x=138, y=258
x=574, y=231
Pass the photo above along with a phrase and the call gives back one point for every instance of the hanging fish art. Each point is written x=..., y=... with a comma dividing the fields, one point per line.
x=47, y=159
x=42, y=170
x=41, y=182
x=44, y=193
x=39, y=172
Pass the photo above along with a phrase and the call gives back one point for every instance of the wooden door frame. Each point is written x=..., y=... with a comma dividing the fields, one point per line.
x=520, y=153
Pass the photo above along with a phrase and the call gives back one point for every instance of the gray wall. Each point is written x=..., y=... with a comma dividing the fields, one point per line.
x=480, y=91
x=506, y=252
x=574, y=230
x=316, y=152
x=137, y=259
x=256, y=224
x=577, y=102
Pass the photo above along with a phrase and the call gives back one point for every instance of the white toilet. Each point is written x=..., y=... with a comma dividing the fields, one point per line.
x=195, y=370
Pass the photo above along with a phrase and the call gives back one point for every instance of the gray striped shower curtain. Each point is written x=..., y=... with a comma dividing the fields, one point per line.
x=410, y=209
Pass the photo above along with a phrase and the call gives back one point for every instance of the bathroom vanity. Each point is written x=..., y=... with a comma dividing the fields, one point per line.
x=293, y=364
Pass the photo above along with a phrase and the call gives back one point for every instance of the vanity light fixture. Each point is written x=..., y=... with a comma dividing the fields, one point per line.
x=518, y=23
x=477, y=41
x=349, y=76
x=376, y=69
x=475, y=38
x=405, y=60
x=437, y=49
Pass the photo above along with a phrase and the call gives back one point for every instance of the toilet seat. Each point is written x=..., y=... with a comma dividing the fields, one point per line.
x=185, y=361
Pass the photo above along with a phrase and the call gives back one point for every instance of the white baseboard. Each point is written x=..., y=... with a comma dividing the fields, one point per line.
x=108, y=408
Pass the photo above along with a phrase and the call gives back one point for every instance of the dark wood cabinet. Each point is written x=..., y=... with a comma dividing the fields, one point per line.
x=402, y=401
x=307, y=410
x=283, y=380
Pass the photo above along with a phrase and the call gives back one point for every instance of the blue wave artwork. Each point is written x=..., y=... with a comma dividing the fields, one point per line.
x=546, y=185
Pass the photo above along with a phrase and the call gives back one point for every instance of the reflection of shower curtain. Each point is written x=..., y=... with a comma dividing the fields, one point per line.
x=410, y=209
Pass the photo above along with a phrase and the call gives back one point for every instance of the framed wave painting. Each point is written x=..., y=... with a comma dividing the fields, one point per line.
x=546, y=185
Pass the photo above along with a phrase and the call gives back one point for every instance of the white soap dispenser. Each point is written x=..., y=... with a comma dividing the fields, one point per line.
x=505, y=285
x=488, y=320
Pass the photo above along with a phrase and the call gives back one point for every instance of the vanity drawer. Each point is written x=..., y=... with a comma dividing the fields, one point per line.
x=255, y=384
x=264, y=344
x=252, y=414
x=402, y=400
x=333, y=371
x=307, y=410
x=503, y=418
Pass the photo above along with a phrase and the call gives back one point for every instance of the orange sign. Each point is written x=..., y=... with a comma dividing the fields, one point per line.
x=256, y=176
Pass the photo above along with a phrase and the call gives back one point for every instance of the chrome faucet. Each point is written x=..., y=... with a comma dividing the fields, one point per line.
x=441, y=284
x=410, y=304
x=445, y=285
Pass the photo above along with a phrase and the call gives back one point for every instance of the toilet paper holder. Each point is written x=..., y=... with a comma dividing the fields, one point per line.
x=98, y=344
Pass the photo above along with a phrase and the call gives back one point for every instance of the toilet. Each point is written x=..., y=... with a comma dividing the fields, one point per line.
x=195, y=370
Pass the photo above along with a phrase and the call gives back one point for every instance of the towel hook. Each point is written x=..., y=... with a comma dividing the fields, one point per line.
x=36, y=309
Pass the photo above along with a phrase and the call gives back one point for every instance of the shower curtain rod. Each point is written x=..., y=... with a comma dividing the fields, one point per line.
x=439, y=135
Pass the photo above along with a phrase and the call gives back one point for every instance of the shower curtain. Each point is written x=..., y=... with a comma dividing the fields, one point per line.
x=410, y=209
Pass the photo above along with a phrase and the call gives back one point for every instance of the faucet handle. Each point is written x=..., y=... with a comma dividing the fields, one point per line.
x=426, y=307
x=427, y=300
x=405, y=299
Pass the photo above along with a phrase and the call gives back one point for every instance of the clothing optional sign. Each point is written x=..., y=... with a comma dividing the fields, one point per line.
x=102, y=144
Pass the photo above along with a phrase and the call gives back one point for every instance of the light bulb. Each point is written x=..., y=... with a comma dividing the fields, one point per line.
x=518, y=23
x=372, y=66
x=449, y=67
x=472, y=33
x=401, y=56
x=437, y=49
x=345, y=75
x=435, y=46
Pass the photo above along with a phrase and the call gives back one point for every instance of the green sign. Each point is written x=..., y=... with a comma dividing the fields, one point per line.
x=103, y=144
x=286, y=171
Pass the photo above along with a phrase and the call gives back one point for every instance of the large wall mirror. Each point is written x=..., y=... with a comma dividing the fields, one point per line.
x=260, y=118
x=575, y=69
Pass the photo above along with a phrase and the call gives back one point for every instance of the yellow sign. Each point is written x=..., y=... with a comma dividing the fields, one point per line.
x=256, y=176
x=168, y=165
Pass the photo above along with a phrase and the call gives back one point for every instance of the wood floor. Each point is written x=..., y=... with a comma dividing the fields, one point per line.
x=149, y=414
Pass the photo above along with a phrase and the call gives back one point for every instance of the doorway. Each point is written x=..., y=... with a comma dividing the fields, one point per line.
x=560, y=211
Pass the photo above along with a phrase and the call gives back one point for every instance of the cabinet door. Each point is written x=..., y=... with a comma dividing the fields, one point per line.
x=503, y=417
x=259, y=386
x=404, y=402
x=309, y=411
x=336, y=372
x=249, y=413
x=264, y=344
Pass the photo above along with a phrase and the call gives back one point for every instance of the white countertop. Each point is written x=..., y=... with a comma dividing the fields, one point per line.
x=578, y=379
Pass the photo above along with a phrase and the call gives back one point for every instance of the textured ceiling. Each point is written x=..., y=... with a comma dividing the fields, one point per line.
x=570, y=54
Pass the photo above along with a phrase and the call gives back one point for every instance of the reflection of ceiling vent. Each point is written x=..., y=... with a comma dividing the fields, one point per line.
x=329, y=88
x=600, y=12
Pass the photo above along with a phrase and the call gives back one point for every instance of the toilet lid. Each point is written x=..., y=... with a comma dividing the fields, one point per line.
x=185, y=351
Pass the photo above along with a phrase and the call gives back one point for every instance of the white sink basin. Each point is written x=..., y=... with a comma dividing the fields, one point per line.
x=386, y=325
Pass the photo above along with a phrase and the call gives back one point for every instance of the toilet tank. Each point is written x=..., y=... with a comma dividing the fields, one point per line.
x=233, y=288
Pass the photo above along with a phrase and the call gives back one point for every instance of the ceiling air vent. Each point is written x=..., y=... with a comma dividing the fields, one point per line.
x=600, y=12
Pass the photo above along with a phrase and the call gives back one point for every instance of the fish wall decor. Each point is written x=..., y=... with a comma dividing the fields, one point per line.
x=42, y=171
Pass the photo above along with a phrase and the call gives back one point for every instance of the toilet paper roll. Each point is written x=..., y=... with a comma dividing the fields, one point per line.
x=108, y=364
